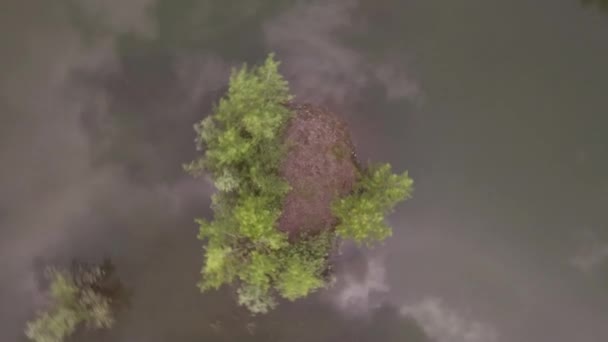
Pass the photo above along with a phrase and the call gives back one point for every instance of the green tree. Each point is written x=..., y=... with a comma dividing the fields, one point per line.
x=304, y=266
x=86, y=295
x=242, y=143
x=362, y=213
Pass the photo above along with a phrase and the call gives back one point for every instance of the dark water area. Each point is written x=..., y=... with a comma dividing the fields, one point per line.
x=496, y=108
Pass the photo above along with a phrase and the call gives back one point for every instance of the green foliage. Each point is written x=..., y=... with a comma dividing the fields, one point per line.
x=256, y=218
x=301, y=276
x=242, y=152
x=243, y=149
x=241, y=137
x=255, y=299
x=362, y=214
x=221, y=266
x=304, y=265
x=260, y=270
x=75, y=300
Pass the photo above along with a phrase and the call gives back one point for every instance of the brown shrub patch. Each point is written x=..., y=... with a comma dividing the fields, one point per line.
x=320, y=165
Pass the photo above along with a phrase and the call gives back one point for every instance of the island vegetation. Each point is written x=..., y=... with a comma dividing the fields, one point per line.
x=289, y=188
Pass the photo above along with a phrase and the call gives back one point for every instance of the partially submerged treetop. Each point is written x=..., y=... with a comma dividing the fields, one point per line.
x=83, y=296
x=288, y=185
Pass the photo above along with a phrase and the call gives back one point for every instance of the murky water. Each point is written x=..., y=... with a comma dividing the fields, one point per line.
x=497, y=109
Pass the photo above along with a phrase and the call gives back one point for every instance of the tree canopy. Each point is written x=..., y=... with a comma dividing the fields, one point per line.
x=83, y=296
x=361, y=214
x=243, y=149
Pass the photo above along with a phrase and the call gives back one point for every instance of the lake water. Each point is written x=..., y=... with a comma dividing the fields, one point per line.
x=497, y=108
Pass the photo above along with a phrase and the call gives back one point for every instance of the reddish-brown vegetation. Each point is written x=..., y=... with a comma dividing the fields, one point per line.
x=320, y=165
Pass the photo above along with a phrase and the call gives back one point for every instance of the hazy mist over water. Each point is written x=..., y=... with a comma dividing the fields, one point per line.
x=496, y=108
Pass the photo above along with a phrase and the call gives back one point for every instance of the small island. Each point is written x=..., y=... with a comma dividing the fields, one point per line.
x=289, y=189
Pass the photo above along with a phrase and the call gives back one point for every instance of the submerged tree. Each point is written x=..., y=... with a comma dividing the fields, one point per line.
x=288, y=186
x=601, y=4
x=86, y=295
